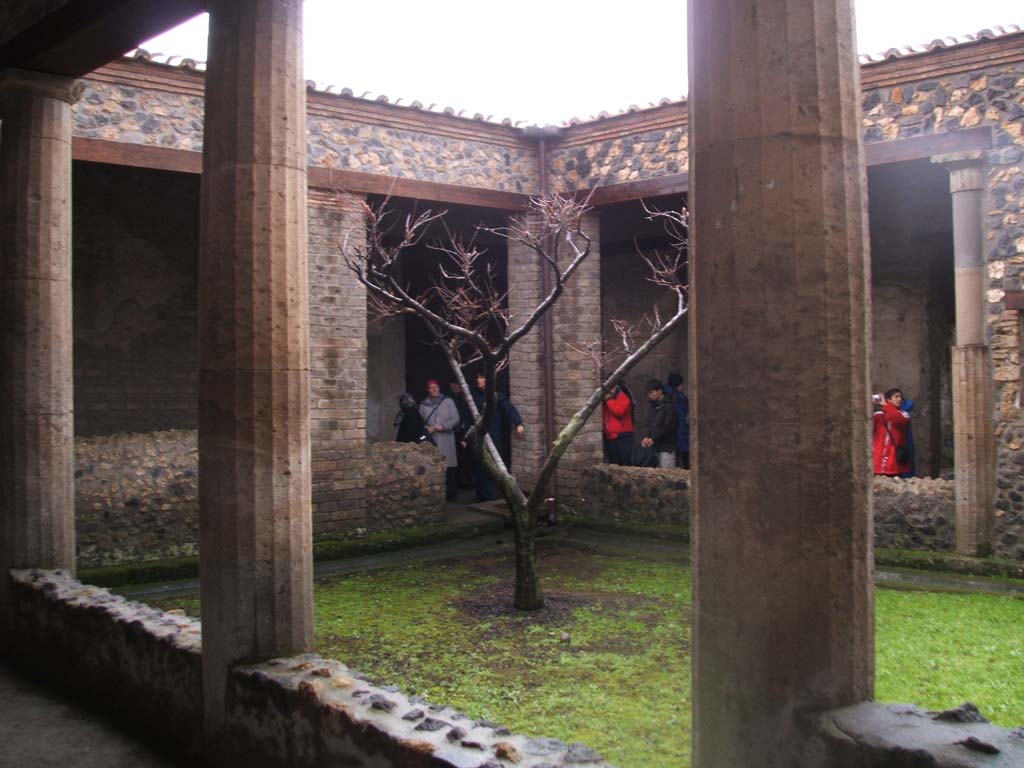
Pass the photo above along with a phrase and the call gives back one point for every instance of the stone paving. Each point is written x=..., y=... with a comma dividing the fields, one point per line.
x=39, y=729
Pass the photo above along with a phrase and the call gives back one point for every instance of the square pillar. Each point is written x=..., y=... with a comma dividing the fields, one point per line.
x=974, y=452
x=254, y=449
x=783, y=594
x=577, y=323
x=37, y=489
x=337, y=337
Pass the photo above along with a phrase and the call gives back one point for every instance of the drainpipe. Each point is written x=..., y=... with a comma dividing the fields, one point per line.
x=541, y=136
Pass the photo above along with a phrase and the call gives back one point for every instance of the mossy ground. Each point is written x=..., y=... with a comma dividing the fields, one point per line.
x=607, y=662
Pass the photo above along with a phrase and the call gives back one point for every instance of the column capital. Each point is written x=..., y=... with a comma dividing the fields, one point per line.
x=26, y=81
x=966, y=169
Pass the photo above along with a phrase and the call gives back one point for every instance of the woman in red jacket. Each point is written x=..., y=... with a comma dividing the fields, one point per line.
x=618, y=426
x=890, y=436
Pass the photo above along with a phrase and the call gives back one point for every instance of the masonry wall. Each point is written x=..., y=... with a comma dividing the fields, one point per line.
x=136, y=497
x=337, y=343
x=916, y=513
x=297, y=712
x=526, y=361
x=577, y=328
x=641, y=145
x=385, y=378
x=138, y=102
x=979, y=94
x=135, y=251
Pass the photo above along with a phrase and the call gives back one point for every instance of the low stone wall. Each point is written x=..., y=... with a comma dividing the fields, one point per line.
x=907, y=736
x=136, y=497
x=404, y=485
x=140, y=664
x=637, y=495
x=915, y=513
x=295, y=712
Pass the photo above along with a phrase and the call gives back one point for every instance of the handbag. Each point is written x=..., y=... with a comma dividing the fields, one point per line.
x=902, y=452
x=644, y=456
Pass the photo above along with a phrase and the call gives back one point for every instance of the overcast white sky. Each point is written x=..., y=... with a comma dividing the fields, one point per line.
x=498, y=58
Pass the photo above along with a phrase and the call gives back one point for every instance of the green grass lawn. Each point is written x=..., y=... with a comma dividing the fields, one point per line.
x=607, y=662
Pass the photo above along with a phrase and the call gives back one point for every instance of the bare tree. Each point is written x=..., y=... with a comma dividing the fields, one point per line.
x=467, y=317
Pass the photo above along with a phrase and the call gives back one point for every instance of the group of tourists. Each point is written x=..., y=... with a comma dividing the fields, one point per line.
x=893, y=439
x=446, y=422
x=666, y=441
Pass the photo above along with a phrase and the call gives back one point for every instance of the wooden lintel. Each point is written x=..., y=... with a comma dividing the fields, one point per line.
x=1014, y=300
x=187, y=161
x=136, y=155
x=672, y=184
x=376, y=184
x=920, y=147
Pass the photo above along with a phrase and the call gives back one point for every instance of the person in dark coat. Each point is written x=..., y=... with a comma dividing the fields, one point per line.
x=411, y=428
x=674, y=390
x=505, y=417
x=662, y=425
x=465, y=422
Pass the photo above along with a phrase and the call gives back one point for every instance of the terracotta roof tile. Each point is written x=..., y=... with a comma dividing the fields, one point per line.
x=347, y=93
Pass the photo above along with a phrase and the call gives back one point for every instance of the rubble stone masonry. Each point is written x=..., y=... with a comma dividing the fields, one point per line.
x=137, y=102
x=985, y=96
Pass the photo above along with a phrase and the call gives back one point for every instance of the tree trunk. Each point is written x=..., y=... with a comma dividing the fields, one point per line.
x=529, y=596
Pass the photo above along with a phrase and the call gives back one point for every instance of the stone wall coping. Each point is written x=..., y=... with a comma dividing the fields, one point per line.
x=180, y=631
x=908, y=63
x=907, y=735
x=311, y=698
x=453, y=739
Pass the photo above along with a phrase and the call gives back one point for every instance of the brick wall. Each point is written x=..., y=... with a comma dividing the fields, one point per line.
x=337, y=330
x=526, y=377
x=577, y=323
x=135, y=251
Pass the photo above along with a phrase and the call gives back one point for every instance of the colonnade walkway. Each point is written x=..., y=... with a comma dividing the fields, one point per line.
x=40, y=729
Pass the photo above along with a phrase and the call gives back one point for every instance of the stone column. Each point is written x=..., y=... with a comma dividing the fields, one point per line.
x=973, y=438
x=254, y=450
x=783, y=608
x=37, y=488
x=577, y=323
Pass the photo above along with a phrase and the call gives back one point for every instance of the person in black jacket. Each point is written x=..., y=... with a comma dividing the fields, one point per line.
x=411, y=428
x=662, y=425
x=504, y=417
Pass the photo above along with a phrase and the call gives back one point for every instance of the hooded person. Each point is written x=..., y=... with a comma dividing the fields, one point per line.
x=505, y=418
x=411, y=428
x=442, y=419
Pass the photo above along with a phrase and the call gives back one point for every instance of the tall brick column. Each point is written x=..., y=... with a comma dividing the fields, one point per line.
x=973, y=439
x=254, y=455
x=337, y=330
x=783, y=606
x=577, y=323
x=526, y=372
x=37, y=489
